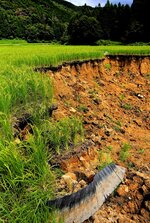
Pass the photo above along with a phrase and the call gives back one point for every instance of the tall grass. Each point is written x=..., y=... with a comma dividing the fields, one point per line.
x=22, y=87
x=26, y=181
x=62, y=134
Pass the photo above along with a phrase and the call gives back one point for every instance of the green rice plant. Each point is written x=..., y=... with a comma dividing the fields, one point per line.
x=60, y=135
x=21, y=88
x=44, y=54
x=6, y=133
x=26, y=181
x=124, y=153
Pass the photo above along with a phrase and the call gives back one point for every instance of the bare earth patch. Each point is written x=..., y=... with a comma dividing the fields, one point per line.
x=112, y=96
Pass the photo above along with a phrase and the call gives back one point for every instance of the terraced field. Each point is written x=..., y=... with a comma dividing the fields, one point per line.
x=107, y=104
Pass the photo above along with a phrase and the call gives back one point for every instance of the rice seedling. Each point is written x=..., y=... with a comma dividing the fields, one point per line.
x=26, y=181
x=60, y=135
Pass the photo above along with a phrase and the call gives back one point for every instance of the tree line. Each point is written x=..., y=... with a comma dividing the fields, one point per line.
x=61, y=21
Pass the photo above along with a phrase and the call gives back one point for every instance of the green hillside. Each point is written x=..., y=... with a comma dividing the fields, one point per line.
x=34, y=19
x=61, y=21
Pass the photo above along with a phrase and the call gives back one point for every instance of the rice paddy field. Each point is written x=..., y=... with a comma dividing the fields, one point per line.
x=27, y=180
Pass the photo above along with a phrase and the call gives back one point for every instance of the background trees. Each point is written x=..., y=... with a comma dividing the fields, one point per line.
x=58, y=20
x=141, y=14
x=84, y=30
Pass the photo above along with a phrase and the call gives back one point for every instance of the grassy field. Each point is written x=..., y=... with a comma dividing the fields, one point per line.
x=26, y=178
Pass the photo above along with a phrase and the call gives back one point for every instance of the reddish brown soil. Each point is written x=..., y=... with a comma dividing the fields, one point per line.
x=112, y=97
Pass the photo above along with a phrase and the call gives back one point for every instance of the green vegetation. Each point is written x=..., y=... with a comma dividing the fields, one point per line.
x=108, y=66
x=141, y=151
x=79, y=25
x=122, y=97
x=60, y=135
x=118, y=126
x=127, y=106
x=26, y=181
x=12, y=41
x=110, y=148
x=44, y=20
x=83, y=108
x=103, y=42
x=61, y=21
x=124, y=153
x=104, y=159
x=148, y=76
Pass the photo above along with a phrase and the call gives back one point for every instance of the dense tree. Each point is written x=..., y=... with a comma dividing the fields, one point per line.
x=34, y=20
x=84, y=30
x=59, y=20
x=141, y=9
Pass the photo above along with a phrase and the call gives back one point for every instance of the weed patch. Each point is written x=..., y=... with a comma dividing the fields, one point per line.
x=60, y=135
x=83, y=108
x=127, y=106
x=108, y=67
x=124, y=153
x=104, y=159
x=122, y=97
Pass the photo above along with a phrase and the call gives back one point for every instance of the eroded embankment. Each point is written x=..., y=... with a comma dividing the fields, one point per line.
x=125, y=63
x=112, y=97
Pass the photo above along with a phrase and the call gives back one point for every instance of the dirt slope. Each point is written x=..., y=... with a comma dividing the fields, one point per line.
x=112, y=97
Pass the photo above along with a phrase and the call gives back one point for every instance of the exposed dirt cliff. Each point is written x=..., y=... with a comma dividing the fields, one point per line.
x=111, y=95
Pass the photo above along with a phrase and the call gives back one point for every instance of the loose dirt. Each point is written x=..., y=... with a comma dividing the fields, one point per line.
x=112, y=98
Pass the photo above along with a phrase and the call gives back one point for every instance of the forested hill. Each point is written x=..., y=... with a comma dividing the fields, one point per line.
x=59, y=20
x=34, y=19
